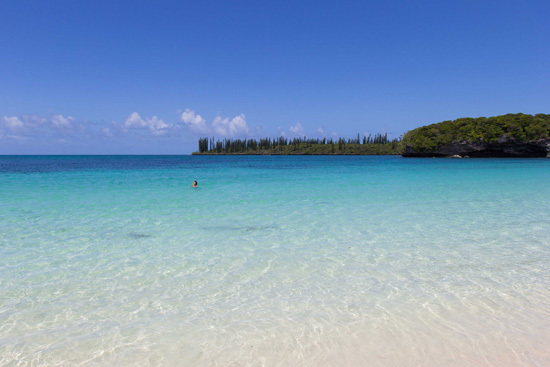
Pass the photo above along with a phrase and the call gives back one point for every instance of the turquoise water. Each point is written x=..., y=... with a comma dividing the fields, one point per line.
x=275, y=261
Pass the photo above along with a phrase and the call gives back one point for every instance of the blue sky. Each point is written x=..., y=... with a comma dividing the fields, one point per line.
x=146, y=77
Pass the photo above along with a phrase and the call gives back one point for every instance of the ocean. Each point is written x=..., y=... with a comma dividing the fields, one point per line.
x=274, y=261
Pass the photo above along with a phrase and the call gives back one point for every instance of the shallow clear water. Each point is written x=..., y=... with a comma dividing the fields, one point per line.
x=290, y=261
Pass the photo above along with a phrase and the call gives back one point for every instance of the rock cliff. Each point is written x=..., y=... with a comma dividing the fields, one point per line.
x=503, y=147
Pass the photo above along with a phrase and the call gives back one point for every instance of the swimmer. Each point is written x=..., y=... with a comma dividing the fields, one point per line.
x=195, y=184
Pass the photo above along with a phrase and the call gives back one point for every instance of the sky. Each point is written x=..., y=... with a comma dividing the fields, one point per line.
x=151, y=77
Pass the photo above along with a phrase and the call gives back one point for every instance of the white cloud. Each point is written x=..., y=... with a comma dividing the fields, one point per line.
x=106, y=132
x=12, y=123
x=281, y=132
x=321, y=131
x=195, y=122
x=297, y=130
x=18, y=137
x=134, y=121
x=58, y=121
x=235, y=126
x=54, y=127
x=34, y=127
x=155, y=125
x=35, y=123
x=221, y=126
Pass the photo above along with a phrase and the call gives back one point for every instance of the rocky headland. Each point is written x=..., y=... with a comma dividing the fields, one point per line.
x=512, y=135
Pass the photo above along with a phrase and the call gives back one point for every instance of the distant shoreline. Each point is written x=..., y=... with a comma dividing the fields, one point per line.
x=300, y=153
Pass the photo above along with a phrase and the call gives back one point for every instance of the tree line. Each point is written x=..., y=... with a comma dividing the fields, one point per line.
x=283, y=144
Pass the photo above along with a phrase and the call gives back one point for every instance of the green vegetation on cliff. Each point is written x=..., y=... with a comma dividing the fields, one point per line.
x=370, y=145
x=519, y=127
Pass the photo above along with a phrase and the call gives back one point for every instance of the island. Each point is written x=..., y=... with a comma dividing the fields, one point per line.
x=511, y=135
x=378, y=144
